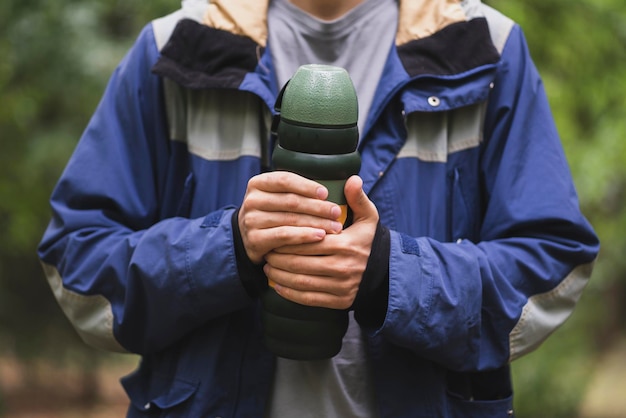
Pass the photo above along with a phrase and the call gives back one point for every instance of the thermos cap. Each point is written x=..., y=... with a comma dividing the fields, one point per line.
x=320, y=95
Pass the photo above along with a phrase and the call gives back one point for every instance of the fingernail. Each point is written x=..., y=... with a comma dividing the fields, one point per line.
x=336, y=226
x=335, y=212
x=322, y=193
x=319, y=233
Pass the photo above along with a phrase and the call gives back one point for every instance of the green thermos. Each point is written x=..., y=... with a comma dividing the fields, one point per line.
x=317, y=137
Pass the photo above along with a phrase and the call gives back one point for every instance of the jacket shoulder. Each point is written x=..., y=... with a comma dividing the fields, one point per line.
x=499, y=26
x=164, y=26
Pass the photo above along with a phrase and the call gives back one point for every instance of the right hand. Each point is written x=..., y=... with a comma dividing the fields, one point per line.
x=282, y=208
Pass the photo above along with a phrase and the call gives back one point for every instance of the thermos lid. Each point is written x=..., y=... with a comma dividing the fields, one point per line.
x=320, y=95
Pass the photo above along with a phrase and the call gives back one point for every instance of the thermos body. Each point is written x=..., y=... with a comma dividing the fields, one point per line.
x=317, y=137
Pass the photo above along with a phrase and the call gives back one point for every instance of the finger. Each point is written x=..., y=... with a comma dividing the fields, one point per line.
x=361, y=205
x=311, y=290
x=332, y=244
x=263, y=240
x=326, y=247
x=291, y=203
x=314, y=265
x=338, y=270
x=287, y=182
x=316, y=299
x=266, y=220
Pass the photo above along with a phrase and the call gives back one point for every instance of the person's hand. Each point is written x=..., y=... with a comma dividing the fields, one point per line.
x=327, y=273
x=282, y=208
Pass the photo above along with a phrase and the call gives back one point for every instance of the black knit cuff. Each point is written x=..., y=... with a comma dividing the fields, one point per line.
x=370, y=305
x=251, y=275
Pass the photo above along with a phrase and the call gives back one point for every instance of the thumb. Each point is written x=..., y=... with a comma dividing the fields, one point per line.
x=361, y=206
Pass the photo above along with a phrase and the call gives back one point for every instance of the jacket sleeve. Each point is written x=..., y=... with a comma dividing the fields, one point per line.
x=475, y=306
x=128, y=277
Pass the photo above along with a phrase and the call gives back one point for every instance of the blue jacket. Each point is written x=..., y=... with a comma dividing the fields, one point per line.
x=489, y=251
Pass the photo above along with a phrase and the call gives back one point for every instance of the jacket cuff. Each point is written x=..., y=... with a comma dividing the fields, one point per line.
x=370, y=304
x=250, y=274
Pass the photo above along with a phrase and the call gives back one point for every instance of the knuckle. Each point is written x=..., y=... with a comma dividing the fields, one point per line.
x=291, y=218
x=346, y=303
x=253, y=219
x=253, y=199
x=254, y=182
x=248, y=205
x=304, y=282
x=291, y=202
x=344, y=270
x=282, y=178
x=309, y=299
x=252, y=246
x=345, y=287
x=255, y=242
x=280, y=234
x=246, y=222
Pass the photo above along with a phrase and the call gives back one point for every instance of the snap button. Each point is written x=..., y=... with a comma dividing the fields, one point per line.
x=146, y=406
x=434, y=101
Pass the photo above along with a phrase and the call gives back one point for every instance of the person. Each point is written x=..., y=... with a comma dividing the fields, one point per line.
x=466, y=250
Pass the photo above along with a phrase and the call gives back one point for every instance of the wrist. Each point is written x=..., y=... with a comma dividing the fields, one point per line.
x=370, y=304
x=250, y=273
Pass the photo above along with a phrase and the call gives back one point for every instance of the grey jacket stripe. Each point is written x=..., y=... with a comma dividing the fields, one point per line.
x=545, y=312
x=499, y=26
x=164, y=26
x=91, y=316
x=432, y=136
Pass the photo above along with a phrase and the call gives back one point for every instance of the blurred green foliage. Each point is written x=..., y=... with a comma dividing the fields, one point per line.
x=57, y=56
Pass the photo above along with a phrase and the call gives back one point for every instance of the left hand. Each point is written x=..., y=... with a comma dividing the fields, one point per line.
x=327, y=273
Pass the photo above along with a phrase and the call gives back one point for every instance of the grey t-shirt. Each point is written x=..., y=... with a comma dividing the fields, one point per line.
x=359, y=41
x=340, y=387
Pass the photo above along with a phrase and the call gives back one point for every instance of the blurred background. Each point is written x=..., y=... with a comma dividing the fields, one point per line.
x=55, y=59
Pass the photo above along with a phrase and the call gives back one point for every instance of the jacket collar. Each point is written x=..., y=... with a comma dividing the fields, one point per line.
x=418, y=18
x=434, y=37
